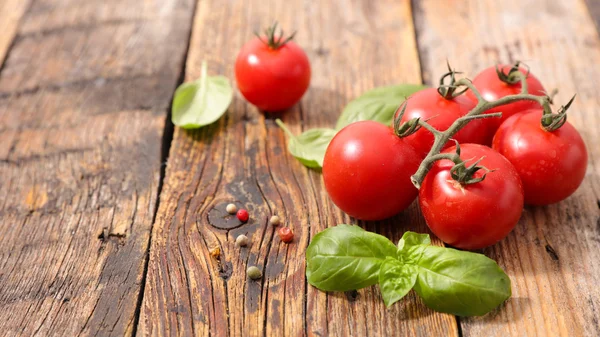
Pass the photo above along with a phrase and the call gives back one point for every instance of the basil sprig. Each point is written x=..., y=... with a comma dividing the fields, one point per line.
x=378, y=105
x=462, y=283
x=201, y=102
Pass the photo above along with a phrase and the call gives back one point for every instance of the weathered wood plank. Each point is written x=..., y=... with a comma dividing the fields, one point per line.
x=83, y=97
x=11, y=12
x=353, y=46
x=552, y=255
x=594, y=9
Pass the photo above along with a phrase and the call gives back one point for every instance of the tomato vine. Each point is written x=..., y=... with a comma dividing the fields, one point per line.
x=549, y=120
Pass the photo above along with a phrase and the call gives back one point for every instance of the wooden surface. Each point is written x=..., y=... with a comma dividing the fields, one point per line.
x=11, y=12
x=96, y=239
x=84, y=91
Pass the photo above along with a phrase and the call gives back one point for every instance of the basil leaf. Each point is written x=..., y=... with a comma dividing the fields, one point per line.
x=378, y=104
x=412, y=239
x=460, y=283
x=309, y=148
x=396, y=280
x=202, y=102
x=411, y=246
x=345, y=258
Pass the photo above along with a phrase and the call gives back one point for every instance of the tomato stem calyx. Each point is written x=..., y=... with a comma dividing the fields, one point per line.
x=407, y=128
x=271, y=38
x=511, y=76
x=449, y=91
x=552, y=122
x=465, y=175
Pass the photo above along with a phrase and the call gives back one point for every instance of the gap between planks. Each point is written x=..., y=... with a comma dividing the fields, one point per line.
x=167, y=140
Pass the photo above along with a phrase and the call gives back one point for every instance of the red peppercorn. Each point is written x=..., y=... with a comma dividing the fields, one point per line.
x=242, y=215
x=285, y=234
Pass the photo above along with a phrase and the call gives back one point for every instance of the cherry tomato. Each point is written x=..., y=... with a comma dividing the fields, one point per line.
x=551, y=164
x=367, y=171
x=472, y=216
x=429, y=105
x=491, y=87
x=272, y=76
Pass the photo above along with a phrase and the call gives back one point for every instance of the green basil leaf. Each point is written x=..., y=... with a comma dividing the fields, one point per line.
x=396, y=280
x=202, y=102
x=412, y=239
x=378, y=104
x=460, y=283
x=344, y=257
x=309, y=148
x=411, y=246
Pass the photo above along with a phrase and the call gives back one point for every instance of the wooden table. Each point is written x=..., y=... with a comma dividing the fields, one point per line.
x=109, y=215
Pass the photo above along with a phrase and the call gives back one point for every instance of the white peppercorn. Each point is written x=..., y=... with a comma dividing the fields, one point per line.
x=241, y=240
x=231, y=209
x=275, y=221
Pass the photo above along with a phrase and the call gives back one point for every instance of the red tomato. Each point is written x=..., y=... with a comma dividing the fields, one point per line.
x=551, y=164
x=429, y=105
x=492, y=88
x=475, y=215
x=273, y=78
x=367, y=171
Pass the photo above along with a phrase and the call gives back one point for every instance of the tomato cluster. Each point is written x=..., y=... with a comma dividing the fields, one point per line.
x=473, y=194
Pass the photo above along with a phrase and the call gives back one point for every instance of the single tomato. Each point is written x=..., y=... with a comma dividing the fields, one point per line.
x=272, y=72
x=367, y=171
x=430, y=105
x=476, y=215
x=551, y=164
x=493, y=86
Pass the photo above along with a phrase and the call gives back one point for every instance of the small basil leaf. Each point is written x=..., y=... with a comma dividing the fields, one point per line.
x=344, y=257
x=411, y=245
x=396, y=280
x=202, y=102
x=309, y=148
x=413, y=239
x=460, y=283
x=378, y=104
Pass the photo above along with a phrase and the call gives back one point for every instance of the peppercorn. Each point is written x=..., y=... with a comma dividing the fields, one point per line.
x=243, y=215
x=275, y=221
x=254, y=273
x=285, y=234
x=231, y=209
x=241, y=240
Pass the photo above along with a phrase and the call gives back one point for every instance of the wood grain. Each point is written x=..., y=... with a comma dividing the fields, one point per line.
x=83, y=96
x=11, y=12
x=196, y=281
x=552, y=255
x=594, y=9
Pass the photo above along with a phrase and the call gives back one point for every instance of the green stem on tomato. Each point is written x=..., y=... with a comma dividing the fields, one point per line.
x=483, y=105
